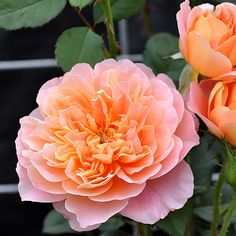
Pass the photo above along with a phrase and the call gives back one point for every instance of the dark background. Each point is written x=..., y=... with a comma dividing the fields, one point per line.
x=18, y=91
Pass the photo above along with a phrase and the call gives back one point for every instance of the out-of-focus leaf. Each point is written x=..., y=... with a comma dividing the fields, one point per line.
x=221, y=1
x=205, y=212
x=206, y=197
x=157, y=55
x=121, y=9
x=175, y=223
x=54, y=223
x=28, y=13
x=78, y=45
x=115, y=233
x=174, y=68
x=204, y=159
x=80, y=3
x=199, y=189
x=112, y=224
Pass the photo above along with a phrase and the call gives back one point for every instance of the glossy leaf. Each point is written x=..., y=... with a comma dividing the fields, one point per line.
x=121, y=9
x=28, y=13
x=80, y=3
x=78, y=45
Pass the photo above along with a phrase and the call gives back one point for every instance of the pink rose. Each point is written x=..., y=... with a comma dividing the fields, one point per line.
x=107, y=140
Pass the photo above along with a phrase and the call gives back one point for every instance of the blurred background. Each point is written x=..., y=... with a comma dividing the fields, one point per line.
x=27, y=62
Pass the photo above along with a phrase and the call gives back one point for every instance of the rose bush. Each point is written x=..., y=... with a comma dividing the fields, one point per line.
x=215, y=103
x=208, y=38
x=107, y=140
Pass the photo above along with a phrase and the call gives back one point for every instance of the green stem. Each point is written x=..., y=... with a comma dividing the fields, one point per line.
x=216, y=204
x=144, y=230
x=110, y=27
x=229, y=215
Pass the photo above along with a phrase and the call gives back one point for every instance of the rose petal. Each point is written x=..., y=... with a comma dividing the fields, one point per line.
x=161, y=196
x=206, y=61
x=29, y=193
x=72, y=218
x=186, y=132
x=91, y=213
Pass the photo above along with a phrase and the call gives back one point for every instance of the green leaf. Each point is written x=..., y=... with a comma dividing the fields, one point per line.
x=78, y=45
x=175, y=223
x=80, y=3
x=28, y=13
x=204, y=159
x=174, y=69
x=113, y=223
x=221, y=1
x=205, y=212
x=157, y=55
x=55, y=223
x=162, y=44
x=121, y=9
x=115, y=233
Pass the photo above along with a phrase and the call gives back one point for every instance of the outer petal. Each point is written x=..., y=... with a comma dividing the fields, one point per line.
x=36, y=114
x=161, y=196
x=206, y=61
x=72, y=218
x=198, y=104
x=148, y=71
x=230, y=131
x=41, y=183
x=29, y=193
x=187, y=133
x=166, y=79
x=182, y=19
x=43, y=91
x=172, y=159
x=91, y=213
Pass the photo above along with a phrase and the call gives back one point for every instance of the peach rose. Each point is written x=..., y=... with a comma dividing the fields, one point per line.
x=208, y=38
x=215, y=103
x=107, y=140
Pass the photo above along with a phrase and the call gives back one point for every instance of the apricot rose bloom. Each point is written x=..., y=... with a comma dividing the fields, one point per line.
x=107, y=140
x=215, y=103
x=208, y=38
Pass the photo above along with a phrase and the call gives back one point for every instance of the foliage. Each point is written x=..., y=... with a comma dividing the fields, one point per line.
x=176, y=222
x=28, y=13
x=121, y=9
x=85, y=45
x=78, y=44
x=55, y=223
x=158, y=55
x=80, y=3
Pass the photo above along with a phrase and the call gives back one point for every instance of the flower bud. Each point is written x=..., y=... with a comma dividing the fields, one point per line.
x=230, y=168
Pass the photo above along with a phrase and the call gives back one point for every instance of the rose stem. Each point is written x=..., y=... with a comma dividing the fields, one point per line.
x=229, y=215
x=144, y=230
x=216, y=204
x=110, y=27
